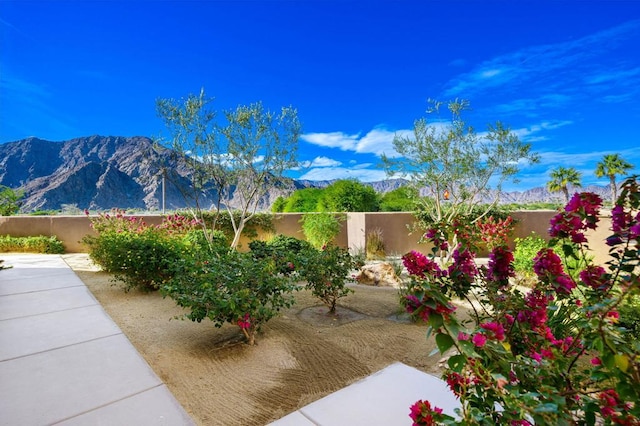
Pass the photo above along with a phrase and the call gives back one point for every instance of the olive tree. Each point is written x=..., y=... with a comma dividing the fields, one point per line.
x=240, y=158
x=460, y=171
x=9, y=200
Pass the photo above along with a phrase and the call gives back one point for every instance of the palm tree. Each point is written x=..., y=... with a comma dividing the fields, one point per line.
x=563, y=177
x=611, y=166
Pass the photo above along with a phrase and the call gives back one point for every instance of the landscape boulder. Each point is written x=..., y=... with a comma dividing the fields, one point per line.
x=380, y=274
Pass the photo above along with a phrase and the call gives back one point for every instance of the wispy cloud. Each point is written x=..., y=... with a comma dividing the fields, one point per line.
x=331, y=173
x=555, y=72
x=320, y=162
x=377, y=141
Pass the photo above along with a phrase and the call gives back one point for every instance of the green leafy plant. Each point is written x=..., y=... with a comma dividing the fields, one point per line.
x=327, y=271
x=230, y=287
x=139, y=256
x=10, y=200
x=555, y=354
x=37, y=244
x=321, y=228
x=283, y=250
x=524, y=252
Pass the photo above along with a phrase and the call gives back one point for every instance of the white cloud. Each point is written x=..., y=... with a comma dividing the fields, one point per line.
x=376, y=141
x=332, y=140
x=321, y=162
x=358, y=173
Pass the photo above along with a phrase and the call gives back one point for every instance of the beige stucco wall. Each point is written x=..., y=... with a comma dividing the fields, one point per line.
x=394, y=226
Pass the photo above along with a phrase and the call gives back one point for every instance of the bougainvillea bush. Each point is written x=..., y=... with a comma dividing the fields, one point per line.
x=137, y=254
x=327, y=271
x=554, y=354
x=230, y=287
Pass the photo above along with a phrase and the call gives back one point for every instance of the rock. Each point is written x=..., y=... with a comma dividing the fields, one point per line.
x=379, y=274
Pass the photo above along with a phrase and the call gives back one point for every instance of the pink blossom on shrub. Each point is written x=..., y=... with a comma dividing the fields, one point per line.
x=496, y=330
x=500, y=267
x=479, y=340
x=595, y=277
x=244, y=322
x=418, y=264
x=423, y=414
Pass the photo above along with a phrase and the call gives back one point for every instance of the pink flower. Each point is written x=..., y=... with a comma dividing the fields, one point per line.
x=479, y=340
x=494, y=329
x=245, y=322
x=596, y=361
x=595, y=277
x=463, y=336
x=423, y=414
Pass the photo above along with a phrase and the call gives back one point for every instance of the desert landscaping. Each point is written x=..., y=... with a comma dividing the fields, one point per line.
x=300, y=356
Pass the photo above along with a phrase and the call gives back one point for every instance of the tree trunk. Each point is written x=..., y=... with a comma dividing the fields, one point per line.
x=614, y=190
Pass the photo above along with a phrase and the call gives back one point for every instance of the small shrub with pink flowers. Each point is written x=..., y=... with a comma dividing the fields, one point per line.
x=554, y=354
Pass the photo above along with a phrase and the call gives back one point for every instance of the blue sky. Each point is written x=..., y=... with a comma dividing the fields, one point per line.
x=564, y=75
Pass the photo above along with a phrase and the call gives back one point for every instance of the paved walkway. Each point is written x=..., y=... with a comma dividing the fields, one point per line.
x=63, y=361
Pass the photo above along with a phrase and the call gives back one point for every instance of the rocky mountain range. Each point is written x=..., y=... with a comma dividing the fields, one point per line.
x=102, y=172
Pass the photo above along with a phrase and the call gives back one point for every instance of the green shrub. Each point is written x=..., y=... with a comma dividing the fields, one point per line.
x=39, y=244
x=630, y=316
x=321, y=228
x=283, y=250
x=326, y=272
x=524, y=253
x=138, y=255
x=142, y=260
x=230, y=287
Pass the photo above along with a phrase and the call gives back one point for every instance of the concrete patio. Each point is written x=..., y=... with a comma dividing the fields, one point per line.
x=63, y=361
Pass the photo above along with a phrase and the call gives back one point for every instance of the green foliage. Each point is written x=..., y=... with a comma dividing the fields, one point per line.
x=224, y=223
x=457, y=160
x=321, y=228
x=278, y=205
x=141, y=260
x=554, y=354
x=630, y=317
x=283, y=250
x=43, y=213
x=243, y=157
x=10, y=200
x=141, y=256
x=401, y=199
x=230, y=287
x=561, y=178
x=525, y=251
x=38, y=244
x=611, y=166
x=302, y=200
x=326, y=272
x=349, y=196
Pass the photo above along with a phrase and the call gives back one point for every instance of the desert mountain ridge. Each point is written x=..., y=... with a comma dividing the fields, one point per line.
x=102, y=172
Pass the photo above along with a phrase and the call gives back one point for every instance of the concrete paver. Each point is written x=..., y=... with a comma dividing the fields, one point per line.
x=384, y=398
x=63, y=360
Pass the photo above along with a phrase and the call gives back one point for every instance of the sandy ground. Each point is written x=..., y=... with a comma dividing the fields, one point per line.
x=300, y=356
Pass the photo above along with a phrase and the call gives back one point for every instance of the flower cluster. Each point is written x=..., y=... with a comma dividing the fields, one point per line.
x=244, y=322
x=420, y=265
x=424, y=415
x=580, y=214
x=517, y=354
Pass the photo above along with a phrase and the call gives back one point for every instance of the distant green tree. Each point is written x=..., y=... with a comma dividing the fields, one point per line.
x=278, y=204
x=10, y=200
x=611, y=166
x=401, y=199
x=303, y=200
x=561, y=178
x=349, y=196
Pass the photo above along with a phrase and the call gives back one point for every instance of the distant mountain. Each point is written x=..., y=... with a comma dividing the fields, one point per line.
x=102, y=172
